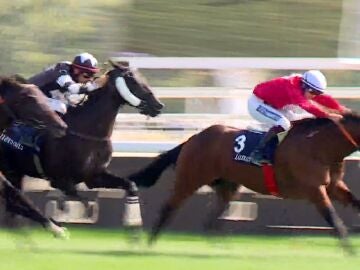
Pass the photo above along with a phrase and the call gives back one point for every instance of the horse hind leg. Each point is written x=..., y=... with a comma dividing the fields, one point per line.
x=225, y=191
x=17, y=204
x=166, y=213
x=184, y=188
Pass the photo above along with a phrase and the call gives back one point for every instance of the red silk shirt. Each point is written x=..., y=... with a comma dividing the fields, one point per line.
x=283, y=91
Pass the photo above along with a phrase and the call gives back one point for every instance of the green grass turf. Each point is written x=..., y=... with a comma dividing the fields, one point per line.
x=96, y=249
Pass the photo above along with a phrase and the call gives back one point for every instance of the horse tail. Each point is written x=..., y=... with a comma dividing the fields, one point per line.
x=149, y=175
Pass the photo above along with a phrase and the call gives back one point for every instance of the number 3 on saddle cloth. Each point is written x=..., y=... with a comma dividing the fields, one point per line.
x=245, y=142
x=21, y=145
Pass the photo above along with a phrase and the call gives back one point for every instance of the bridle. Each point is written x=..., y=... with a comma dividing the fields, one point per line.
x=88, y=137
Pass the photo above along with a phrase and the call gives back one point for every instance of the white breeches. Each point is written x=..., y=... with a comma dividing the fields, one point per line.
x=57, y=105
x=266, y=114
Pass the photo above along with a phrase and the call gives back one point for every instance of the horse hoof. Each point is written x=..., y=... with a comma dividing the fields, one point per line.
x=133, y=235
x=58, y=231
x=348, y=248
x=64, y=234
x=152, y=240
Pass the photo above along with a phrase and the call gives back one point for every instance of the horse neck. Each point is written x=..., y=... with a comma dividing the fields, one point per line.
x=95, y=118
x=334, y=144
x=352, y=126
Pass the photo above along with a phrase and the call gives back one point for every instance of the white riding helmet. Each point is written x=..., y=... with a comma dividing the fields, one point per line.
x=315, y=80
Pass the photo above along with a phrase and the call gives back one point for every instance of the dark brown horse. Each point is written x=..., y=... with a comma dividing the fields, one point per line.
x=85, y=152
x=27, y=104
x=307, y=167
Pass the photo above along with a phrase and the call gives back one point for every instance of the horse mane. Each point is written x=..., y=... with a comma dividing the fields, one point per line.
x=18, y=78
x=8, y=81
x=310, y=123
x=7, y=84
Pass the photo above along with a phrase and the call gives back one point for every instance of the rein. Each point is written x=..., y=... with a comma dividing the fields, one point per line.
x=347, y=134
x=88, y=137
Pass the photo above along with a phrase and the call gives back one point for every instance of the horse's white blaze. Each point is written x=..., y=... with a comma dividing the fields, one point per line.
x=58, y=231
x=125, y=92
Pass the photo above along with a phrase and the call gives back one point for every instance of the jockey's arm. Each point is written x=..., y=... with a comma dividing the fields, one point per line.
x=314, y=109
x=67, y=83
x=320, y=111
x=330, y=104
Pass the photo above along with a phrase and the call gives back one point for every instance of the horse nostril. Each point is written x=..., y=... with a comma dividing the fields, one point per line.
x=160, y=106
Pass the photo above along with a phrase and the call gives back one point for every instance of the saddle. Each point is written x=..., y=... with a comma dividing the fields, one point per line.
x=21, y=145
x=247, y=140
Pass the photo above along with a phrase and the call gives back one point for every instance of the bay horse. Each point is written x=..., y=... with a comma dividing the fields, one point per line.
x=306, y=167
x=26, y=103
x=20, y=102
x=84, y=153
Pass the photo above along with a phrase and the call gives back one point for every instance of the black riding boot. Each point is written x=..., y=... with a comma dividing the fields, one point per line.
x=258, y=156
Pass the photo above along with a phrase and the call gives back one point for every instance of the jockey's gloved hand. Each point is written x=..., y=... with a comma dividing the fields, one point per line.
x=74, y=99
x=87, y=87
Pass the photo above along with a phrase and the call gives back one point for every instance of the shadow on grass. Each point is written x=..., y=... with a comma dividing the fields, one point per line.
x=142, y=253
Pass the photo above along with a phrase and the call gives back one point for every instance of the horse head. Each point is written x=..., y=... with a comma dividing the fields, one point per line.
x=26, y=103
x=134, y=90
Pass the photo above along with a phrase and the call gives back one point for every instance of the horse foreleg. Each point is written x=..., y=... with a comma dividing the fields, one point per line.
x=109, y=180
x=340, y=191
x=132, y=214
x=324, y=205
x=70, y=191
x=185, y=185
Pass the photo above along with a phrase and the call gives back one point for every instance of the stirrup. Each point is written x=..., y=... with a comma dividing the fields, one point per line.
x=257, y=158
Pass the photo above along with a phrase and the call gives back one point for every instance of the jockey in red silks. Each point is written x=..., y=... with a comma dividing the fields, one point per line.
x=273, y=101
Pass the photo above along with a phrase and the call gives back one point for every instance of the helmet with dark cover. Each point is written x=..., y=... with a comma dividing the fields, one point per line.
x=86, y=62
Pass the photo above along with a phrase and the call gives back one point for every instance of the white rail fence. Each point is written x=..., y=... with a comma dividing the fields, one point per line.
x=242, y=63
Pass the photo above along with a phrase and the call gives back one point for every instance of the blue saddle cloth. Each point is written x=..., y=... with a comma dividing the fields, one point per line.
x=246, y=141
x=21, y=145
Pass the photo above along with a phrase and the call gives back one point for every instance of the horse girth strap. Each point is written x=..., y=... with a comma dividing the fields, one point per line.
x=88, y=137
x=347, y=134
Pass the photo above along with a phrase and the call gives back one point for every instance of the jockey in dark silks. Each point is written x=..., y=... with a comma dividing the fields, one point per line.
x=278, y=101
x=65, y=82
